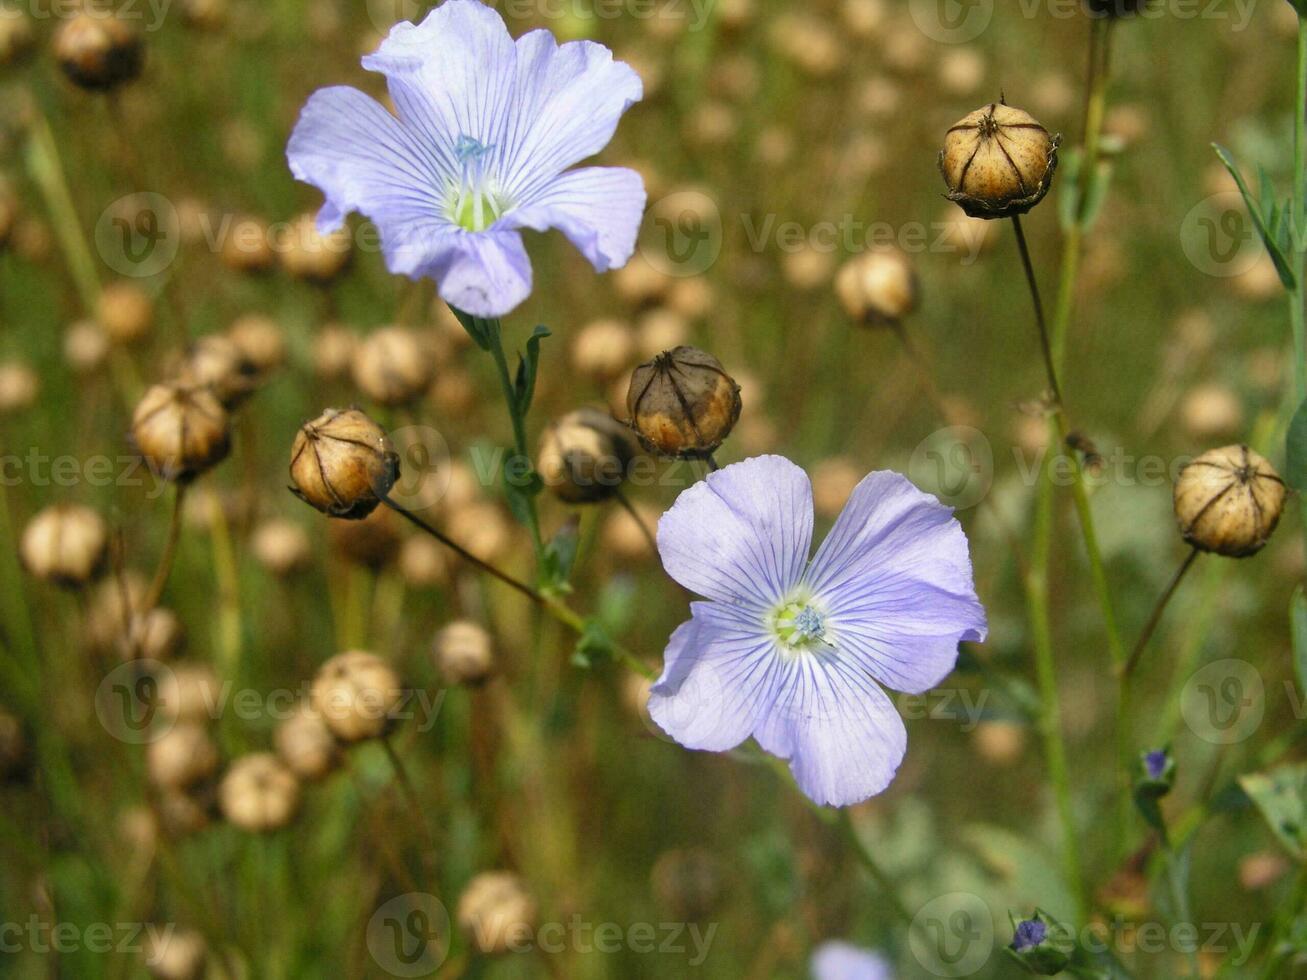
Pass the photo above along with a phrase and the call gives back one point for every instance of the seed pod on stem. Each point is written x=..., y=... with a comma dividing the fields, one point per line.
x=356, y=694
x=878, y=287
x=1228, y=501
x=65, y=544
x=343, y=463
x=98, y=52
x=259, y=793
x=998, y=162
x=683, y=404
x=181, y=430
x=584, y=456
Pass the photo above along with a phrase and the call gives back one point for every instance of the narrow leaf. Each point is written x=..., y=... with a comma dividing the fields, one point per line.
x=1259, y=220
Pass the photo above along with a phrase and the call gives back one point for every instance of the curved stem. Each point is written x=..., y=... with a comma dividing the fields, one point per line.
x=713, y=465
x=1156, y=616
x=414, y=804
x=169, y=552
x=1045, y=346
x=629, y=507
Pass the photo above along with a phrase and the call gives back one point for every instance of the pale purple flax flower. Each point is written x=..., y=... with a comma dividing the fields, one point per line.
x=836, y=960
x=797, y=654
x=479, y=148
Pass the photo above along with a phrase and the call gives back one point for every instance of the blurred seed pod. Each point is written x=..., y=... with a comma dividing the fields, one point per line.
x=15, y=758
x=623, y=536
x=126, y=312
x=734, y=15
x=138, y=828
x=260, y=340
x=259, y=794
x=661, y=328
x=905, y=49
x=688, y=883
x=649, y=65
x=965, y=236
x=189, y=693
x=482, y=529
x=16, y=42
x=638, y=282
x=19, y=387
x=343, y=463
x=357, y=695
x=306, y=745
x=111, y=609
x=181, y=757
x=372, y=541
x=1260, y=871
x=462, y=485
x=863, y=18
x=808, y=267
x=584, y=456
x=1212, y=411
x=635, y=696
x=157, y=635
x=464, y=653
x=314, y=257
x=282, y=547
x=246, y=246
x=878, y=287
x=205, y=15
x=66, y=544
x=774, y=146
x=808, y=43
x=603, y=349
x=1228, y=501
x=496, y=911
x=833, y=481
x=216, y=364
x=333, y=351
x=393, y=366
x=454, y=393
x=1000, y=743
x=422, y=562
x=175, y=954
x=86, y=347
x=998, y=162
x=98, y=51
x=180, y=430
x=962, y=71
x=711, y=125
x=683, y=404
x=879, y=97
x=181, y=814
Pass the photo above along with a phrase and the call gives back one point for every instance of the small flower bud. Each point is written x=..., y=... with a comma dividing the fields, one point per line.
x=65, y=544
x=175, y=954
x=1155, y=772
x=180, y=430
x=1041, y=944
x=584, y=456
x=393, y=366
x=98, y=52
x=682, y=403
x=464, y=653
x=182, y=756
x=259, y=793
x=356, y=694
x=260, y=341
x=1228, y=501
x=281, y=547
x=998, y=162
x=314, y=257
x=125, y=312
x=878, y=287
x=343, y=463
x=496, y=912
x=306, y=745
x=217, y=364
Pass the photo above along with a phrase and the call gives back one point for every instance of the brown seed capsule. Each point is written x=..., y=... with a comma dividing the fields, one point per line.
x=246, y=247
x=259, y=793
x=65, y=544
x=19, y=387
x=343, y=463
x=189, y=693
x=175, y=954
x=464, y=653
x=156, y=635
x=393, y=366
x=217, y=364
x=998, y=162
x=423, y=562
x=205, y=15
x=281, y=546
x=16, y=39
x=126, y=312
x=357, y=695
x=333, y=351
x=180, y=430
x=496, y=912
x=682, y=403
x=98, y=52
x=314, y=257
x=260, y=341
x=1228, y=501
x=86, y=346
x=182, y=756
x=878, y=287
x=584, y=456
x=306, y=745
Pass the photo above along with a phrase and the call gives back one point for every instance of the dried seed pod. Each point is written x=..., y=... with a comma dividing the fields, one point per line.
x=218, y=364
x=312, y=256
x=393, y=366
x=86, y=346
x=259, y=339
x=189, y=693
x=306, y=745
x=182, y=756
x=603, y=349
x=1228, y=501
x=156, y=635
x=464, y=653
x=584, y=456
x=175, y=954
x=19, y=386
x=126, y=312
x=65, y=544
x=878, y=287
x=496, y=911
x=247, y=247
x=333, y=351
x=181, y=430
x=998, y=162
x=259, y=793
x=343, y=463
x=16, y=39
x=281, y=546
x=98, y=52
x=357, y=695
x=205, y=15
x=682, y=403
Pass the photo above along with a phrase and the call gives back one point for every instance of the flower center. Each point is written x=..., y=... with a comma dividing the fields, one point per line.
x=474, y=203
x=798, y=624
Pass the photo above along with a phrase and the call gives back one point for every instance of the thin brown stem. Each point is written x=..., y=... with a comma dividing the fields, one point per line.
x=629, y=507
x=1044, y=343
x=713, y=465
x=1158, y=610
x=169, y=552
x=414, y=804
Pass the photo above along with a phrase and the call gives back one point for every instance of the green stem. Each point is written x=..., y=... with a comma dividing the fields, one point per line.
x=869, y=863
x=1151, y=626
x=169, y=553
x=47, y=171
x=1298, y=209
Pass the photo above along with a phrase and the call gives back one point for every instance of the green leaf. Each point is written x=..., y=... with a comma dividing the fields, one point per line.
x=560, y=558
x=1071, y=209
x=528, y=369
x=1269, y=239
x=1298, y=618
x=1295, y=462
x=593, y=645
x=476, y=328
x=1281, y=797
x=520, y=493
